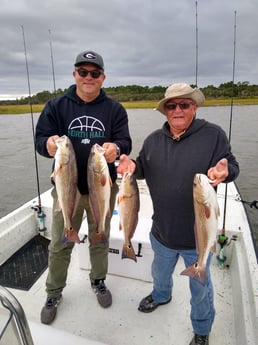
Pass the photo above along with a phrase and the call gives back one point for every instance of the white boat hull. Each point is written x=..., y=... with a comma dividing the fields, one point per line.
x=235, y=285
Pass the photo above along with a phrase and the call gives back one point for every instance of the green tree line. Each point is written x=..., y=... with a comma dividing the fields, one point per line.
x=146, y=93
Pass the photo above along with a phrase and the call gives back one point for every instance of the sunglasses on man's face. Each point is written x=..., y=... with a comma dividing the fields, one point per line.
x=84, y=72
x=182, y=105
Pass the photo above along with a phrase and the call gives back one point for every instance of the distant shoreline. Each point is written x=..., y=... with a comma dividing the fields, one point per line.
x=37, y=108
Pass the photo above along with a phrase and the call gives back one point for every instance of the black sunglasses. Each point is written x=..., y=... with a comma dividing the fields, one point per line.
x=84, y=72
x=182, y=105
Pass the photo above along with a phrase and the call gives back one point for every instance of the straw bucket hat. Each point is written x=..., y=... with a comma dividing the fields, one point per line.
x=181, y=90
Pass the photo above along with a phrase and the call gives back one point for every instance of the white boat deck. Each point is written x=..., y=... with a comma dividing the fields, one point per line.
x=122, y=323
x=236, y=299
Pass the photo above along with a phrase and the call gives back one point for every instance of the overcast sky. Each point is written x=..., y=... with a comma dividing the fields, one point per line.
x=143, y=42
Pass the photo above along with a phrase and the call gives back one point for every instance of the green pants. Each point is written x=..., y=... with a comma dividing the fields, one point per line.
x=60, y=253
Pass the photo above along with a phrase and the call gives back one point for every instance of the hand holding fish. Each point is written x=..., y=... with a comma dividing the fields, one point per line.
x=218, y=173
x=126, y=165
x=110, y=152
x=51, y=145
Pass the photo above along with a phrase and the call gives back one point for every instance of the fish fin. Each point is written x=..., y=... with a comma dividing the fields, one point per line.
x=128, y=252
x=207, y=211
x=120, y=199
x=103, y=180
x=196, y=272
x=70, y=235
x=57, y=169
x=55, y=172
x=53, y=175
x=76, y=202
x=92, y=210
x=195, y=235
x=99, y=237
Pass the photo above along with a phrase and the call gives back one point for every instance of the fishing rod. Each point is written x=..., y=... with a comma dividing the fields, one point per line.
x=37, y=208
x=52, y=61
x=251, y=204
x=222, y=238
x=230, y=120
x=196, y=42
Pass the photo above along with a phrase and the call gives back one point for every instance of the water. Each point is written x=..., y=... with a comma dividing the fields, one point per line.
x=17, y=165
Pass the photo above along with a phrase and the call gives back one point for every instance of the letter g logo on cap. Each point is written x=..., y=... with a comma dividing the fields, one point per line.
x=90, y=56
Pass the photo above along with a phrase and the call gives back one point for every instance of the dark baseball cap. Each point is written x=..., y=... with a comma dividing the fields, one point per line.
x=89, y=56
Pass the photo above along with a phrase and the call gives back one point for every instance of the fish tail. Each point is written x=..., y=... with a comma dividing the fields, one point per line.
x=128, y=252
x=99, y=237
x=70, y=235
x=196, y=272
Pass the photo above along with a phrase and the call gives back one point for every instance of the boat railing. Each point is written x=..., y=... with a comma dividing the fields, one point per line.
x=14, y=326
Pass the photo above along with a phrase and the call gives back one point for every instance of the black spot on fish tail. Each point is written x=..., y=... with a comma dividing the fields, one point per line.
x=196, y=272
x=128, y=252
x=98, y=237
x=70, y=235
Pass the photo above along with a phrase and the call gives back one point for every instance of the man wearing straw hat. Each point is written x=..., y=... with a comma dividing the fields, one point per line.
x=168, y=160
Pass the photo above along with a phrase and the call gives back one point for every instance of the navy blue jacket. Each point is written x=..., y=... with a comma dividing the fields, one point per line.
x=99, y=121
x=169, y=167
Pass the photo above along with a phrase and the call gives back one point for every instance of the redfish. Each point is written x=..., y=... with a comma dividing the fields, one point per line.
x=206, y=211
x=99, y=183
x=65, y=176
x=128, y=208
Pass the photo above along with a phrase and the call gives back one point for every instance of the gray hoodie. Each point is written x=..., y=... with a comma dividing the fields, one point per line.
x=169, y=167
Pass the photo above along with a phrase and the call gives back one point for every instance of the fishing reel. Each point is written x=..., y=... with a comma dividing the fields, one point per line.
x=224, y=242
x=40, y=218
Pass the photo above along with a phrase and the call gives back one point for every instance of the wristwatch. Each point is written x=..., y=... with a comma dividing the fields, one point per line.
x=117, y=151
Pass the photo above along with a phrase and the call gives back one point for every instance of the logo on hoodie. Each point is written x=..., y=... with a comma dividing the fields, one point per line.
x=86, y=128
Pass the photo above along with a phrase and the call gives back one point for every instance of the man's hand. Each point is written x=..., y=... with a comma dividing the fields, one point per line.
x=110, y=152
x=218, y=173
x=125, y=165
x=51, y=145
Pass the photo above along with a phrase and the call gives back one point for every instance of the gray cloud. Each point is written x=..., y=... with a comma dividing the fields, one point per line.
x=151, y=43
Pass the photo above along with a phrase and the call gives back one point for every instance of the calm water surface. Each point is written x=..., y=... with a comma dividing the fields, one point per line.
x=17, y=161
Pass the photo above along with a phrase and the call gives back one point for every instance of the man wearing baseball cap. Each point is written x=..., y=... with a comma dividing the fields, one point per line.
x=90, y=57
x=87, y=116
x=169, y=159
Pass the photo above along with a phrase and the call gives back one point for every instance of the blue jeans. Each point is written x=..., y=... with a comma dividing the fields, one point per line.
x=163, y=265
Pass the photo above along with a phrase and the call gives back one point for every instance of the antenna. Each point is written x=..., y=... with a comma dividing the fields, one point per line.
x=230, y=122
x=31, y=112
x=233, y=82
x=37, y=208
x=52, y=61
x=196, y=43
x=222, y=238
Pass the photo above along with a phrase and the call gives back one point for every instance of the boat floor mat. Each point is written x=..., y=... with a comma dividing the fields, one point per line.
x=25, y=266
